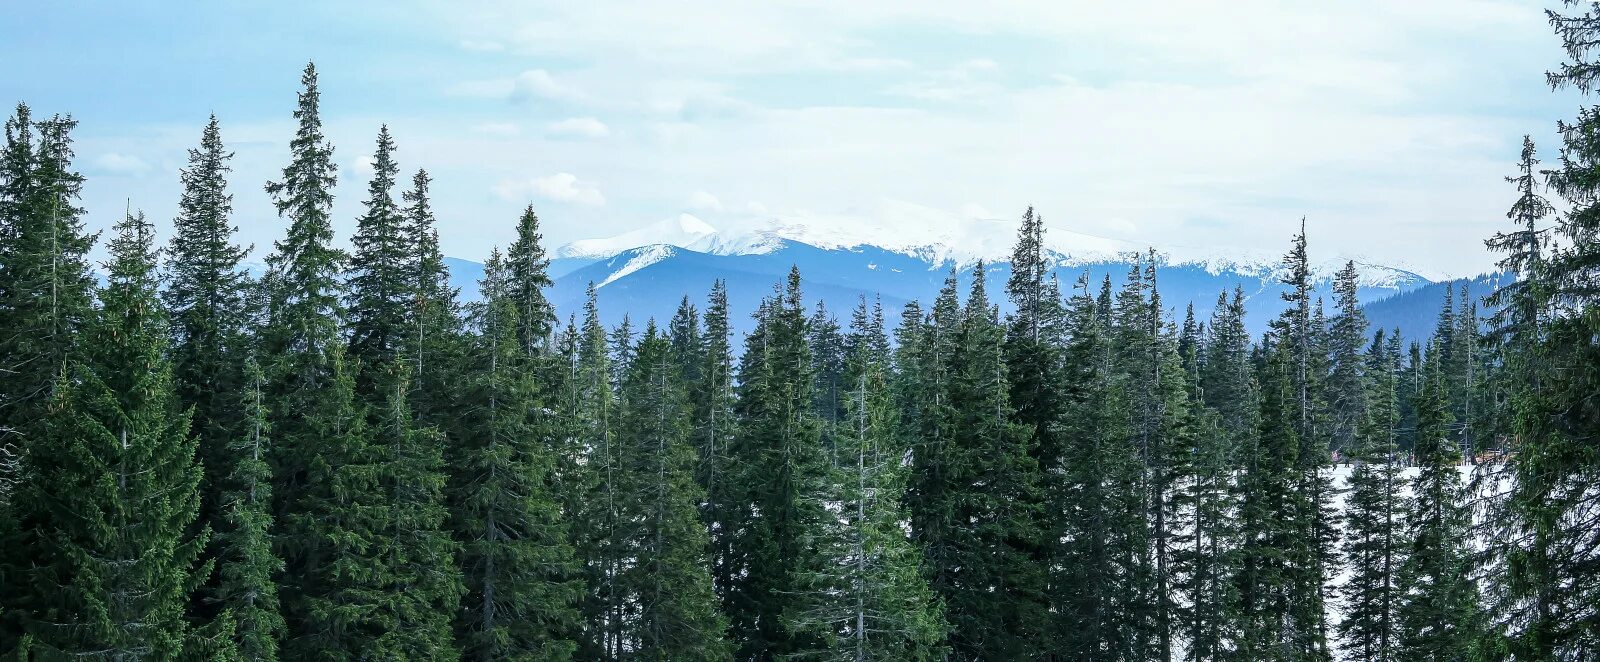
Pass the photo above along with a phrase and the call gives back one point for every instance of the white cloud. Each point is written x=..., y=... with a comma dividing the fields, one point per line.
x=560, y=187
x=539, y=83
x=121, y=164
x=583, y=127
x=704, y=200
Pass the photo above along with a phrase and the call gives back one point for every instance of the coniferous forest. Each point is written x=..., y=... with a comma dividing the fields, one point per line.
x=342, y=460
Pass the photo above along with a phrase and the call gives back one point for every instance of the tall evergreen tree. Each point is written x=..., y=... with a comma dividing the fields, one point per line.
x=302, y=286
x=1268, y=504
x=381, y=290
x=870, y=600
x=1347, y=393
x=205, y=299
x=781, y=470
x=111, y=496
x=522, y=578
x=1548, y=598
x=668, y=580
x=1438, y=608
x=528, y=274
x=1205, y=538
x=335, y=528
x=597, y=505
x=436, y=347
x=1373, y=544
x=45, y=282
x=247, y=586
x=418, y=557
x=688, y=346
x=1301, y=331
x=712, y=404
x=1099, y=512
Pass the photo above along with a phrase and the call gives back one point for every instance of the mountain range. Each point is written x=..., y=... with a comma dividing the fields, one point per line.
x=646, y=272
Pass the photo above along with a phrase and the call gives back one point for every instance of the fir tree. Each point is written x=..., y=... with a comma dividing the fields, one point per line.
x=336, y=530
x=418, y=558
x=1300, y=331
x=436, y=349
x=205, y=299
x=1438, y=608
x=1268, y=505
x=247, y=586
x=1205, y=541
x=781, y=472
x=1548, y=600
x=1347, y=395
x=45, y=284
x=712, y=405
x=302, y=288
x=827, y=360
x=688, y=347
x=1373, y=544
x=304, y=268
x=669, y=580
x=380, y=284
x=111, y=500
x=523, y=581
x=1098, y=505
x=597, y=504
x=527, y=277
x=869, y=600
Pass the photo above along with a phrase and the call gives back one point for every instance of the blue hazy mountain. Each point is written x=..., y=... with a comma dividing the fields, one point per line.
x=649, y=281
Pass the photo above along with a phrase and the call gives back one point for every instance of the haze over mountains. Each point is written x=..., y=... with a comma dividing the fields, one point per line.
x=646, y=272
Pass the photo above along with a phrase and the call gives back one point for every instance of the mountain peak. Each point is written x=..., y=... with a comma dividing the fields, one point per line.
x=685, y=231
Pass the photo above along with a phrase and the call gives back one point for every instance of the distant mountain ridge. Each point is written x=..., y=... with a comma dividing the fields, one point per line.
x=650, y=279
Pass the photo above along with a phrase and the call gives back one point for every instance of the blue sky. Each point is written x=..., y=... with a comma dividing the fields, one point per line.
x=1213, y=124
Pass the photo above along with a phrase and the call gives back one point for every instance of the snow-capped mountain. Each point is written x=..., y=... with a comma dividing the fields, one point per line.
x=645, y=273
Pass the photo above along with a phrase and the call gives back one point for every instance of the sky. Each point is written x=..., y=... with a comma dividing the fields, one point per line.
x=1216, y=124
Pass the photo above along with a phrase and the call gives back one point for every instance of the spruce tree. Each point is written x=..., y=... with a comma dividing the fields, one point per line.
x=925, y=358
x=1438, y=608
x=597, y=504
x=111, y=497
x=522, y=578
x=688, y=347
x=45, y=283
x=1373, y=547
x=302, y=289
x=436, y=348
x=1347, y=393
x=418, y=557
x=1099, y=586
x=380, y=284
x=205, y=299
x=668, y=580
x=247, y=584
x=781, y=468
x=869, y=600
x=712, y=404
x=527, y=277
x=1269, y=501
x=827, y=359
x=1206, y=533
x=1549, y=599
x=336, y=528
x=1301, y=331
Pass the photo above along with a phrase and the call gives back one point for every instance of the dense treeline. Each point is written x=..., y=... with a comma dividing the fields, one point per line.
x=340, y=460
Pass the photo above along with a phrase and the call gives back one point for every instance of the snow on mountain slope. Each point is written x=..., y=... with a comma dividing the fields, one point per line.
x=636, y=259
x=685, y=231
x=943, y=240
